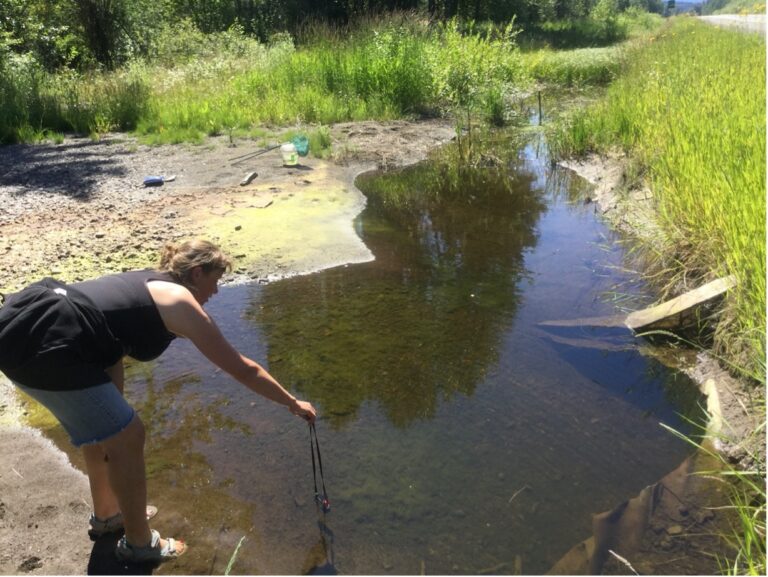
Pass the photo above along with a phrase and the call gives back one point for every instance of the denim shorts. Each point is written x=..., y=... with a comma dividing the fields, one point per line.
x=89, y=415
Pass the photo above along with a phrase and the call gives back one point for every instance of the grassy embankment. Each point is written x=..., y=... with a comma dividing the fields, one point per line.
x=198, y=84
x=690, y=111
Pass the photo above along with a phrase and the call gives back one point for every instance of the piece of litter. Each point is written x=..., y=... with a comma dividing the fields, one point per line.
x=158, y=180
x=248, y=178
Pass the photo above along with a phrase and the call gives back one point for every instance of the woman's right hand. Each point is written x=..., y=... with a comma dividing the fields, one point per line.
x=304, y=410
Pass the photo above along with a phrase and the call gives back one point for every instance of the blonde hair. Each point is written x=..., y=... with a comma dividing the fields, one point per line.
x=180, y=259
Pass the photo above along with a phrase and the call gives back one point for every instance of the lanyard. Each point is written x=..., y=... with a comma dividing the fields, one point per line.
x=314, y=445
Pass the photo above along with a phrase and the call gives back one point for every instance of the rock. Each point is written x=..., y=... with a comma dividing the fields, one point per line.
x=675, y=530
x=30, y=564
x=701, y=516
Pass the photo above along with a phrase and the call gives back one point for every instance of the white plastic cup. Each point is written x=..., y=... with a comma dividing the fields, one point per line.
x=290, y=156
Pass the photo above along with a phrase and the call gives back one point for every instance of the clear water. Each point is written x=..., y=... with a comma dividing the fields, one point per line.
x=457, y=435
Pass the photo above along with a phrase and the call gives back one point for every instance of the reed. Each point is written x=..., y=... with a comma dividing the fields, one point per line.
x=233, y=558
x=579, y=67
x=690, y=108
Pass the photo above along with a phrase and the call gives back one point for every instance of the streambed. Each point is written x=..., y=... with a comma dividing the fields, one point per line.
x=457, y=435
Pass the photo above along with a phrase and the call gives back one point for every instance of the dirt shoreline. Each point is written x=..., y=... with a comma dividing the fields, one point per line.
x=79, y=209
x=630, y=209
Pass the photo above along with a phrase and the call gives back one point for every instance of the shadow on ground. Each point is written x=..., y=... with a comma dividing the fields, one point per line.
x=73, y=170
x=103, y=560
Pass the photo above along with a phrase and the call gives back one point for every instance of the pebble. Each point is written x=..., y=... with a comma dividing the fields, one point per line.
x=675, y=530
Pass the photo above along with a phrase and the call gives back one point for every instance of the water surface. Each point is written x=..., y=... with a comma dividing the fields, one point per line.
x=457, y=435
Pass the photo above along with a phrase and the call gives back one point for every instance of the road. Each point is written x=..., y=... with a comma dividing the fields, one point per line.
x=747, y=23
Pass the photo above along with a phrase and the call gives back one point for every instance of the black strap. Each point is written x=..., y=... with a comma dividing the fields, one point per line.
x=314, y=445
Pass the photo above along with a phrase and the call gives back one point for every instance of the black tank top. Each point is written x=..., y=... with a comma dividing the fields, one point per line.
x=131, y=313
x=55, y=336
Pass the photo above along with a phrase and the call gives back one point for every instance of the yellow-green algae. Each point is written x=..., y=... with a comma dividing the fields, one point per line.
x=307, y=227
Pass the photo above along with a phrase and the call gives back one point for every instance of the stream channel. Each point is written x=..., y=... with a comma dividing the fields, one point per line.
x=457, y=435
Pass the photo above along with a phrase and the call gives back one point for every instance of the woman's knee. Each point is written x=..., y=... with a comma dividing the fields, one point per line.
x=132, y=437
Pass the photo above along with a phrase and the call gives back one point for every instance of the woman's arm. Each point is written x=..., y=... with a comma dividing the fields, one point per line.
x=183, y=316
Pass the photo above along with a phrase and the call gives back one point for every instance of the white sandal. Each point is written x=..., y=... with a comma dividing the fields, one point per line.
x=152, y=553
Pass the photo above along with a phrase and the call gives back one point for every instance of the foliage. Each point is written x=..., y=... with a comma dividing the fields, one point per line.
x=190, y=83
x=691, y=109
x=108, y=33
x=580, y=67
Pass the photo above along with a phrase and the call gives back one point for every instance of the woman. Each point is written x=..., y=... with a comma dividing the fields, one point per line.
x=64, y=346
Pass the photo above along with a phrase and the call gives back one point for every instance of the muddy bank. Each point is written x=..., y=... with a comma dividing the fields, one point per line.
x=79, y=209
x=672, y=526
x=630, y=209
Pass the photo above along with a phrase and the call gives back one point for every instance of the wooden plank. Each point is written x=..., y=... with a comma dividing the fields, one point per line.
x=676, y=312
x=614, y=321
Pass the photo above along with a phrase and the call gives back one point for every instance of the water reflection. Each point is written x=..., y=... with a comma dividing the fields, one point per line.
x=456, y=437
x=423, y=322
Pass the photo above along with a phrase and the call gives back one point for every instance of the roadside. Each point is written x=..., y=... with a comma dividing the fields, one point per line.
x=79, y=209
x=746, y=22
x=631, y=210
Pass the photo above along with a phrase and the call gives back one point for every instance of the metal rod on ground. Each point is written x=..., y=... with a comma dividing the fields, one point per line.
x=540, y=116
x=242, y=157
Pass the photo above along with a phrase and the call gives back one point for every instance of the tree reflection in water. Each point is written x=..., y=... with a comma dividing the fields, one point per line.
x=422, y=322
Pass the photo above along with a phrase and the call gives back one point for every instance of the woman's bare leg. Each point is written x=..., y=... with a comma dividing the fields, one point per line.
x=105, y=503
x=127, y=478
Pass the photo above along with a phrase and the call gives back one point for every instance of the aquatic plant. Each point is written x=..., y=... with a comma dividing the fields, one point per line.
x=232, y=559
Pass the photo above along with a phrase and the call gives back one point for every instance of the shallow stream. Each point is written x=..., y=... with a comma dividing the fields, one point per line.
x=457, y=435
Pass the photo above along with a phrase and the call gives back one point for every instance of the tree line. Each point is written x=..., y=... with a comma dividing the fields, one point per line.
x=106, y=33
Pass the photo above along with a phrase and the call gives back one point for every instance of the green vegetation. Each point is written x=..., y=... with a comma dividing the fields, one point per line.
x=690, y=109
x=178, y=75
x=232, y=559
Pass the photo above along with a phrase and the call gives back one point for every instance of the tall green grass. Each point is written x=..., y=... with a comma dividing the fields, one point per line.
x=385, y=72
x=37, y=103
x=197, y=84
x=575, y=68
x=690, y=108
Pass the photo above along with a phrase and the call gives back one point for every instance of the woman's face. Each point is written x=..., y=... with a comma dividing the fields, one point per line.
x=205, y=284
